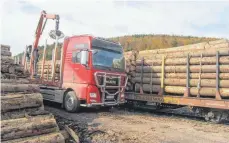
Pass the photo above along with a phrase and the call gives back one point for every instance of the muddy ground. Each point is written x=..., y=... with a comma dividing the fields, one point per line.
x=124, y=126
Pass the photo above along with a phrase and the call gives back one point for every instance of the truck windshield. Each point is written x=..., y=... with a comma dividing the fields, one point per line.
x=108, y=58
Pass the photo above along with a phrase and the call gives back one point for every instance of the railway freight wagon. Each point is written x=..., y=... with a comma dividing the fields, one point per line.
x=194, y=75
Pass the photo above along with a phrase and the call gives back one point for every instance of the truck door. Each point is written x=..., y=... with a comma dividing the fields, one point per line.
x=80, y=74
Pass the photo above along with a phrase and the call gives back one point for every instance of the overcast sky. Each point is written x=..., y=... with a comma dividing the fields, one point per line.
x=112, y=18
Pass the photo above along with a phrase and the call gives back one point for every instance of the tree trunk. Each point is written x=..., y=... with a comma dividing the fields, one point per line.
x=182, y=69
x=183, y=75
x=56, y=137
x=32, y=126
x=183, y=61
x=5, y=87
x=20, y=101
x=182, y=82
x=179, y=90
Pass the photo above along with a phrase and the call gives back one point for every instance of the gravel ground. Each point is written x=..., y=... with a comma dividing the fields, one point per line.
x=122, y=126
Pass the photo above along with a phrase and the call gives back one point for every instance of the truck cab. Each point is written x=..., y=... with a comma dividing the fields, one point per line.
x=92, y=73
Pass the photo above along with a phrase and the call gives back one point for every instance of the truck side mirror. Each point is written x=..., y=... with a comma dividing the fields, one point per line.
x=84, y=58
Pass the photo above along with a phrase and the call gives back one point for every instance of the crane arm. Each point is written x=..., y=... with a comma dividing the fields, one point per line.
x=40, y=27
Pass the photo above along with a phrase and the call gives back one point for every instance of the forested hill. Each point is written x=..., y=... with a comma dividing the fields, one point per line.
x=143, y=42
x=148, y=42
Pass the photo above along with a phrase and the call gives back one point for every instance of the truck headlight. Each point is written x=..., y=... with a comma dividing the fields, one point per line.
x=93, y=95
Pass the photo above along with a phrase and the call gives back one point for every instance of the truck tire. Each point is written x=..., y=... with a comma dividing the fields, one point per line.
x=71, y=102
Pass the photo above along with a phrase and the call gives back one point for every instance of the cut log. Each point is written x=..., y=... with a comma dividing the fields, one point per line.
x=56, y=137
x=210, y=53
x=22, y=81
x=182, y=82
x=186, y=48
x=130, y=68
x=5, y=47
x=199, y=46
x=49, y=71
x=65, y=134
x=20, y=101
x=49, y=62
x=14, y=114
x=224, y=92
x=5, y=87
x=182, y=69
x=8, y=76
x=148, y=88
x=5, y=53
x=32, y=126
x=45, y=68
x=72, y=134
x=153, y=75
x=183, y=61
x=183, y=75
x=6, y=60
x=13, y=69
x=5, y=68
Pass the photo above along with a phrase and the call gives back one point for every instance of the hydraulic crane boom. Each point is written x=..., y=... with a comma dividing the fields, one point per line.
x=40, y=27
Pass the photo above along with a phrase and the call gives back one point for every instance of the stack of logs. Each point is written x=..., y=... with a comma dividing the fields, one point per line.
x=47, y=71
x=23, y=118
x=9, y=70
x=131, y=58
x=168, y=70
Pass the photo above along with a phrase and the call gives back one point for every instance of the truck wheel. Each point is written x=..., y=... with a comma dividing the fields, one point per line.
x=71, y=102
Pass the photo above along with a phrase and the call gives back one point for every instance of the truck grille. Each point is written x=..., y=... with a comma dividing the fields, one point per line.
x=110, y=80
x=110, y=85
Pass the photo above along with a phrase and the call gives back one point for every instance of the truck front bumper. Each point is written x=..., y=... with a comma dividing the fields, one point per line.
x=103, y=104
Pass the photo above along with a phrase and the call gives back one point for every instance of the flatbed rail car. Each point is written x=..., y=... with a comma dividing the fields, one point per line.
x=197, y=79
x=219, y=107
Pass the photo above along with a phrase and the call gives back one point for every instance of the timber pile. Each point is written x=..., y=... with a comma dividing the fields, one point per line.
x=47, y=71
x=9, y=70
x=131, y=58
x=168, y=68
x=23, y=118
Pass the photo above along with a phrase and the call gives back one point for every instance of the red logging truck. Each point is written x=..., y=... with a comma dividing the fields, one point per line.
x=91, y=70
